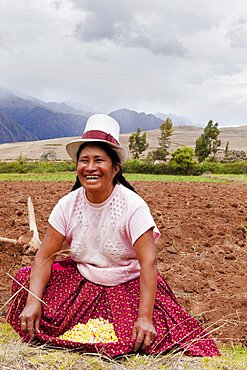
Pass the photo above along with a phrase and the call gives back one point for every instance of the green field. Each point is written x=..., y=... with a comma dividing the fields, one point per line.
x=70, y=176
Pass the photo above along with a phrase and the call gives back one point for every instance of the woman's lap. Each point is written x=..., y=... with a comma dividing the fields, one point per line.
x=69, y=298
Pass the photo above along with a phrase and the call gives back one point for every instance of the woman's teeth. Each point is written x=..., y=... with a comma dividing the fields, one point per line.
x=92, y=177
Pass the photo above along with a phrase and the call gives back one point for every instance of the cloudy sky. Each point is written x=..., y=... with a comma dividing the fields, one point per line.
x=186, y=57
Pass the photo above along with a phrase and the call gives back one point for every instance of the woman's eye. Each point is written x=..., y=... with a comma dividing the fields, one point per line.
x=98, y=160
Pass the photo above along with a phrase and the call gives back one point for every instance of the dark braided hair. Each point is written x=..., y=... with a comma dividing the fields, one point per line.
x=118, y=178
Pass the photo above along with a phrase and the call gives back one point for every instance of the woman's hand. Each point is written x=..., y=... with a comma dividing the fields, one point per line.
x=30, y=317
x=40, y=275
x=143, y=333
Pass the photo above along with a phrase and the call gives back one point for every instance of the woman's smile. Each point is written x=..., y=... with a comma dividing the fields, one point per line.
x=96, y=172
x=92, y=178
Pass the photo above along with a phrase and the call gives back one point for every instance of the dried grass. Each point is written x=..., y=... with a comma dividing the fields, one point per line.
x=16, y=355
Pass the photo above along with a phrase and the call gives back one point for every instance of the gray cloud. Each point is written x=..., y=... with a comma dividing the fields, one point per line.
x=186, y=57
x=126, y=25
x=238, y=34
x=93, y=29
x=227, y=69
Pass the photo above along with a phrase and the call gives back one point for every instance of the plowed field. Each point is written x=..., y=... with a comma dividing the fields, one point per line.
x=202, y=252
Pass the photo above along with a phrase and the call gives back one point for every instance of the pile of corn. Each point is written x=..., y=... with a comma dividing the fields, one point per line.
x=94, y=331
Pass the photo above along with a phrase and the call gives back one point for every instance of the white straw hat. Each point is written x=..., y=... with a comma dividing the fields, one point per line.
x=99, y=128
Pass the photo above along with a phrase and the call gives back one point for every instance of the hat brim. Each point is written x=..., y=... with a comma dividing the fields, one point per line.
x=73, y=146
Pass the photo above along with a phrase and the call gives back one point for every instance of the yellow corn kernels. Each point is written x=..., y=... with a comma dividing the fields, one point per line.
x=94, y=331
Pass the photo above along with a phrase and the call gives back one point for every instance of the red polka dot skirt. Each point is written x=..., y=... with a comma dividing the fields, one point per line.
x=70, y=299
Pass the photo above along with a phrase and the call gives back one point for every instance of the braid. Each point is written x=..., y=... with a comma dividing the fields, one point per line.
x=122, y=180
x=77, y=184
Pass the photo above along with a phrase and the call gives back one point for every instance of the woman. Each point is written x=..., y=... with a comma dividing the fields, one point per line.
x=112, y=270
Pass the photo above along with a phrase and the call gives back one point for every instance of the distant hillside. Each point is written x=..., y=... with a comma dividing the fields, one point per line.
x=37, y=121
x=30, y=127
x=182, y=136
x=64, y=108
x=10, y=130
x=130, y=120
x=40, y=120
x=45, y=124
x=177, y=120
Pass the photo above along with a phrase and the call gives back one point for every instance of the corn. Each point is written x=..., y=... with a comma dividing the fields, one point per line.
x=94, y=331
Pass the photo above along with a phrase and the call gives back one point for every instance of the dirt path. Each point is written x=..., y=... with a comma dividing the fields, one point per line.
x=202, y=252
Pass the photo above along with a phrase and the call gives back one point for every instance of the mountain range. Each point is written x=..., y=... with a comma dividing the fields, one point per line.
x=26, y=118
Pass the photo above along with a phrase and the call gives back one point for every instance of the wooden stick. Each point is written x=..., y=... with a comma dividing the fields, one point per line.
x=32, y=224
x=7, y=240
x=30, y=239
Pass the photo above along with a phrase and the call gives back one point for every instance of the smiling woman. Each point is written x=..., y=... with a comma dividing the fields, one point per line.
x=111, y=275
x=96, y=172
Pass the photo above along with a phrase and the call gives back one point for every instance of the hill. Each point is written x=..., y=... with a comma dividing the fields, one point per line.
x=130, y=120
x=40, y=120
x=32, y=127
x=182, y=136
x=9, y=130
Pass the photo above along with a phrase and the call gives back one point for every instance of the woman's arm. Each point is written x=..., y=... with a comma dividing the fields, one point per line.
x=40, y=275
x=143, y=331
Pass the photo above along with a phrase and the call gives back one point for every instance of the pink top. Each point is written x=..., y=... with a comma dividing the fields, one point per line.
x=101, y=236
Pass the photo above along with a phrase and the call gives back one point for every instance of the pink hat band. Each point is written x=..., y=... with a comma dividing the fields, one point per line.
x=100, y=135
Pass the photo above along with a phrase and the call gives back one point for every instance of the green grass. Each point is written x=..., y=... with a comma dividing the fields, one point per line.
x=231, y=177
x=169, y=178
x=234, y=357
x=70, y=176
x=54, y=176
x=14, y=354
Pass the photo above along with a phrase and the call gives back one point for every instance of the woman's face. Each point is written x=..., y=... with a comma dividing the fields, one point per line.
x=96, y=172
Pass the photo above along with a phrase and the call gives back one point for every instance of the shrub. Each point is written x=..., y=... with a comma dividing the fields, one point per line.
x=36, y=166
x=182, y=161
x=239, y=167
x=138, y=166
x=181, y=165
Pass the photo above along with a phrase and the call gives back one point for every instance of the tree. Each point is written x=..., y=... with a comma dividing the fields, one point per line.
x=160, y=154
x=182, y=160
x=166, y=130
x=202, y=149
x=138, y=143
x=227, y=149
x=208, y=142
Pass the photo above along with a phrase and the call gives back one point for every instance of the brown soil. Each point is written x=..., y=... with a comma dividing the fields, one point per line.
x=202, y=251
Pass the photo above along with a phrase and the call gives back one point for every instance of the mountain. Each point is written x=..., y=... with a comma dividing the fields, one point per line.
x=19, y=99
x=130, y=120
x=45, y=124
x=64, y=108
x=36, y=120
x=176, y=120
x=10, y=131
x=33, y=119
x=4, y=93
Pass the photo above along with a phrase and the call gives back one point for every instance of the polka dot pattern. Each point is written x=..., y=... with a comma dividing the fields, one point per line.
x=70, y=299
